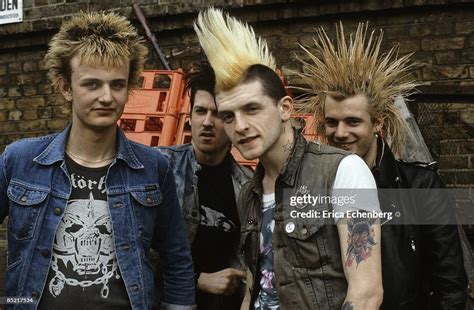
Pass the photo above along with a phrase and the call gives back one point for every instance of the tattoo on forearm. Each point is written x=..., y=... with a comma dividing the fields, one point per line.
x=288, y=146
x=360, y=240
x=347, y=306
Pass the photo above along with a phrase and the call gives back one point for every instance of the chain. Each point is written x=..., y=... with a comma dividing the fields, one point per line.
x=89, y=161
x=86, y=283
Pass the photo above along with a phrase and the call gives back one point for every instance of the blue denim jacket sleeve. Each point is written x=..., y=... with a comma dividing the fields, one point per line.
x=171, y=241
x=3, y=192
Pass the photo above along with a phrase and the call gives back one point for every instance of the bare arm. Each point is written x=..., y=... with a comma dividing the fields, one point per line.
x=360, y=254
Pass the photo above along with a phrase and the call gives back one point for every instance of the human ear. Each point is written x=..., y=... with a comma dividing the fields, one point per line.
x=66, y=90
x=285, y=106
x=379, y=121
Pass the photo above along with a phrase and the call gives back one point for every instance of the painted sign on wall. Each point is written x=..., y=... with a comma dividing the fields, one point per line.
x=11, y=11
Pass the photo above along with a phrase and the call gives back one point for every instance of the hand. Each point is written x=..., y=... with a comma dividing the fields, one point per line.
x=223, y=282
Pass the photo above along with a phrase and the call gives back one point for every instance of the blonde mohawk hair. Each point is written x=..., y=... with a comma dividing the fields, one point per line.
x=230, y=46
x=96, y=39
x=356, y=66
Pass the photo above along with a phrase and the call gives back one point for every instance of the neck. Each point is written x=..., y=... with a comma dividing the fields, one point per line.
x=371, y=155
x=276, y=157
x=210, y=159
x=90, y=148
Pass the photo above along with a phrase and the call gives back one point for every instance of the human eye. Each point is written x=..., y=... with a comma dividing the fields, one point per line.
x=226, y=117
x=118, y=85
x=91, y=84
x=252, y=109
x=353, y=121
x=330, y=122
x=199, y=110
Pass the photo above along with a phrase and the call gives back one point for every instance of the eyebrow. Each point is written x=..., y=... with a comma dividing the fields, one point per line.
x=91, y=79
x=197, y=106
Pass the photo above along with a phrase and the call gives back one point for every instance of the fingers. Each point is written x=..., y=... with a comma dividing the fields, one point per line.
x=239, y=273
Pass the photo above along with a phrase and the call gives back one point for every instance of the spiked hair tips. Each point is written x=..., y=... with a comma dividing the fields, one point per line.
x=353, y=66
x=96, y=39
x=230, y=46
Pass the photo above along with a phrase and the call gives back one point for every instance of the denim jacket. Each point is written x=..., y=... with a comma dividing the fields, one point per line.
x=34, y=190
x=185, y=166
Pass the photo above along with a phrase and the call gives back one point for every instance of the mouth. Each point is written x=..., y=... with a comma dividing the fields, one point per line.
x=344, y=145
x=105, y=110
x=207, y=134
x=246, y=140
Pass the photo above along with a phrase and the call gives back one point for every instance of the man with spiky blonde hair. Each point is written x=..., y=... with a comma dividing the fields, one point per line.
x=303, y=255
x=86, y=205
x=354, y=88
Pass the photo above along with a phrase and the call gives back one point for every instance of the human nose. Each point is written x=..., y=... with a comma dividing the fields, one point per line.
x=341, y=131
x=241, y=123
x=209, y=119
x=106, y=94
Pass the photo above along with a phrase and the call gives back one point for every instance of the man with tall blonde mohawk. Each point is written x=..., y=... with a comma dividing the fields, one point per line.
x=295, y=261
x=354, y=88
x=85, y=205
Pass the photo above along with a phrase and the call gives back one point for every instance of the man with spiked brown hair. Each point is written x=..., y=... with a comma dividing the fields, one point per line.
x=354, y=88
x=303, y=255
x=86, y=205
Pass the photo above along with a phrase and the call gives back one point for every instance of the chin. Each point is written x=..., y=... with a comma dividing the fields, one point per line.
x=250, y=154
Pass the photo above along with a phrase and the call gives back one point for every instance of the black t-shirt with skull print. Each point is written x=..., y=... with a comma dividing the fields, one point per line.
x=215, y=245
x=84, y=273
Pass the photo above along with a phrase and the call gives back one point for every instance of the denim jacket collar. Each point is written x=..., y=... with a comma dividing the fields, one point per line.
x=54, y=152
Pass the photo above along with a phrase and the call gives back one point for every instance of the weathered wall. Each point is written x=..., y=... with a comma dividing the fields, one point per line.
x=439, y=33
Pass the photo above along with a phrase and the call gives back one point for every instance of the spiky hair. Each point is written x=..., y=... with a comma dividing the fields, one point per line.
x=200, y=77
x=98, y=38
x=231, y=47
x=353, y=66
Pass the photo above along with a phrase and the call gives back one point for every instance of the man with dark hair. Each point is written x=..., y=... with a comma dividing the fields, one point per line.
x=208, y=184
x=86, y=205
x=322, y=254
x=354, y=91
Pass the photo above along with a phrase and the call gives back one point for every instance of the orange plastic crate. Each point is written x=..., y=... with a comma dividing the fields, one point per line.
x=154, y=108
x=157, y=114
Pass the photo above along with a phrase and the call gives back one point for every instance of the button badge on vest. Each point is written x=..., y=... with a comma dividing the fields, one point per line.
x=290, y=227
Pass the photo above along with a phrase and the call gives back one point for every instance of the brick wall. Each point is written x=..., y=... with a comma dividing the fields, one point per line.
x=439, y=33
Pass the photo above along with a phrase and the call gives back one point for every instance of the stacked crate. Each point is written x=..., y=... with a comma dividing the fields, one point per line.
x=158, y=113
x=152, y=112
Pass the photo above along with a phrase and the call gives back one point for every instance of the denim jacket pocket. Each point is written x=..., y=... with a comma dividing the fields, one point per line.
x=146, y=200
x=25, y=203
x=303, y=237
